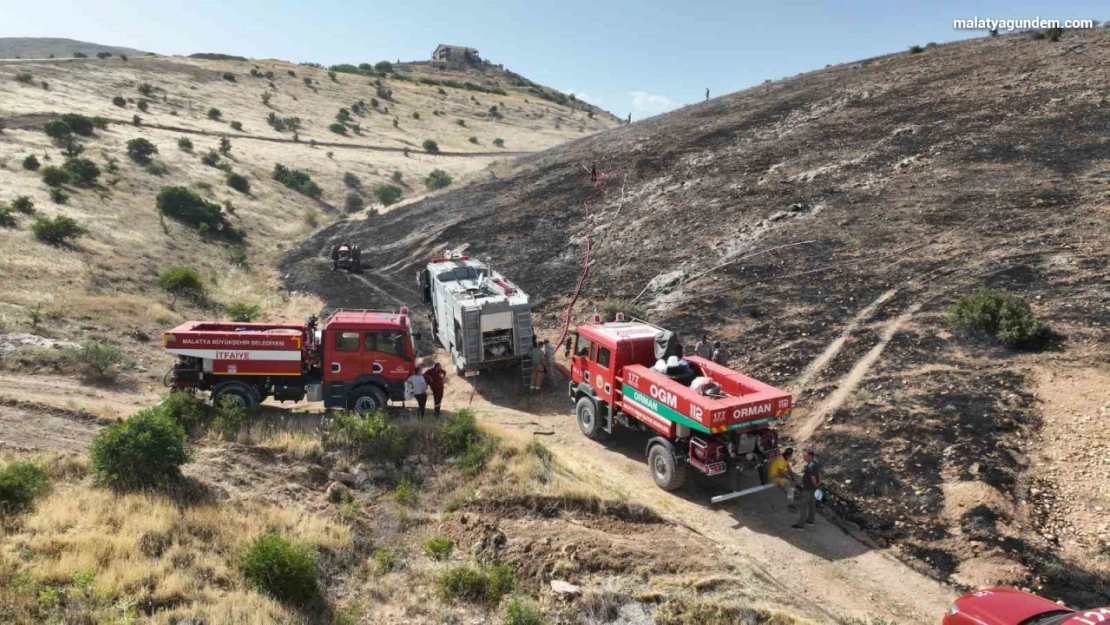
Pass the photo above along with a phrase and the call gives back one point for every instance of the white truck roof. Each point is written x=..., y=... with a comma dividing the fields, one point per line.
x=471, y=282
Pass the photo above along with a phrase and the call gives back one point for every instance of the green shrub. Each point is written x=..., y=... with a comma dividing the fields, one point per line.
x=58, y=196
x=474, y=140
x=631, y=310
x=438, y=179
x=539, y=450
x=183, y=205
x=297, y=180
x=343, y=115
x=156, y=169
x=999, y=315
x=57, y=129
x=25, y=78
x=311, y=217
x=225, y=146
x=396, y=177
x=119, y=101
x=369, y=436
x=244, y=312
x=185, y=409
x=24, y=204
x=438, y=548
x=231, y=418
x=100, y=360
x=140, y=150
x=79, y=124
x=520, y=611
x=228, y=76
x=338, y=128
x=459, y=432
x=144, y=451
x=211, y=158
x=214, y=113
x=101, y=123
x=485, y=584
x=387, y=194
x=20, y=483
x=499, y=142
x=103, y=55
x=80, y=55
x=59, y=231
x=54, y=176
x=239, y=182
x=31, y=163
x=185, y=144
x=285, y=570
x=383, y=67
x=404, y=494
x=354, y=203
x=351, y=181
x=82, y=172
x=8, y=218
x=237, y=126
x=916, y=49
x=71, y=147
x=431, y=147
x=266, y=95
x=136, y=120
x=387, y=560
x=146, y=89
x=143, y=105
x=180, y=281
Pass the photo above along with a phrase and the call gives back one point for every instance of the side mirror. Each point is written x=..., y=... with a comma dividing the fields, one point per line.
x=566, y=349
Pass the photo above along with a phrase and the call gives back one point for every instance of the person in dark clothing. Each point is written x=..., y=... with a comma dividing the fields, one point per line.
x=811, y=482
x=436, y=377
x=593, y=172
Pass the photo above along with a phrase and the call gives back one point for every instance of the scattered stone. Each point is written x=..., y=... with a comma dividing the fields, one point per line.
x=564, y=589
x=350, y=479
x=337, y=492
x=16, y=340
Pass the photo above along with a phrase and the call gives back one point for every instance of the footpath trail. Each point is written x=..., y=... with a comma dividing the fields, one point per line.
x=833, y=573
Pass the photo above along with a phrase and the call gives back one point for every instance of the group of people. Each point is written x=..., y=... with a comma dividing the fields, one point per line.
x=421, y=381
x=805, y=489
x=711, y=350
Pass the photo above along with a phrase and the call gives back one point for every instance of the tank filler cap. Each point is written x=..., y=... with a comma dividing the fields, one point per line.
x=597, y=318
x=620, y=316
x=404, y=310
x=403, y=320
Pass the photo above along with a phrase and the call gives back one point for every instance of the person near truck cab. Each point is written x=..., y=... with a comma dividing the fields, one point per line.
x=780, y=474
x=419, y=387
x=436, y=376
x=811, y=482
x=549, y=358
x=539, y=368
x=704, y=348
x=719, y=356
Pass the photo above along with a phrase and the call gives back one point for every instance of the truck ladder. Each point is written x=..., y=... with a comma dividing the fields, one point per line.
x=472, y=331
x=524, y=344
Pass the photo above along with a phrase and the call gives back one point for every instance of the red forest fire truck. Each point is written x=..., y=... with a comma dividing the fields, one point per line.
x=620, y=378
x=351, y=359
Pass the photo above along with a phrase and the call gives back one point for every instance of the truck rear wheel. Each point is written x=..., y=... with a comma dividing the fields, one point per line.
x=668, y=473
x=238, y=393
x=588, y=421
x=366, y=401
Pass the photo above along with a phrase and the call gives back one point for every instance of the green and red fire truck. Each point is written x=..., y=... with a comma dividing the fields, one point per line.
x=617, y=381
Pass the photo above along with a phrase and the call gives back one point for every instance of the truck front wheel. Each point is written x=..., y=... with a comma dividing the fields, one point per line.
x=588, y=420
x=239, y=394
x=668, y=473
x=366, y=401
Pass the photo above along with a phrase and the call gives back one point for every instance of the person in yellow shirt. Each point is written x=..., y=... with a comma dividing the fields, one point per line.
x=780, y=474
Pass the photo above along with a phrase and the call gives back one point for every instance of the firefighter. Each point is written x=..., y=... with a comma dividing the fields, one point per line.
x=704, y=348
x=538, y=366
x=780, y=474
x=436, y=377
x=549, y=358
x=418, y=385
x=719, y=356
x=811, y=486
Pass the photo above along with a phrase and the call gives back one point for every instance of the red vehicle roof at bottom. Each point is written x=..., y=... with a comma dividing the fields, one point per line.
x=1009, y=606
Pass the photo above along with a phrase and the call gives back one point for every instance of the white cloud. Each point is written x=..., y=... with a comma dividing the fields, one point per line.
x=650, y=103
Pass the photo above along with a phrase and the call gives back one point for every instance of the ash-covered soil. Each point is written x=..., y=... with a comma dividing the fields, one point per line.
x=977, y=163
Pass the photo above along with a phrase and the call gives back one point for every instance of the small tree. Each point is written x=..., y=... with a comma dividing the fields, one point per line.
x=343, y=115
x=211, y=158
x=140, y=150
x=338, y=128
x=137, y=121
x=25, y=78
x=82, y=172
x=214, y=113
x=396, y=177
x=146, y=89
x=31, y=163
x=145, y=451
x=80, y=55
x=351, y=181
x=237, y=126
x=59, y=231
x=225, y=146
x=181, y=281
x=266, y=95
x=383, y=67
x=239, y=183
x=185, y=144
x=332, y=76
x=354, y=203
x=24, y=204
x=438, y=179
x=243, y=312
x=431, y=147
x=183, y=205
x=100, y=359
x=228, y=76
x=474, y=140
x=21, y=482
x=387, y=194
x=54, y=176
x=57, y=129
x=499, y=142
x=283, y=569
x=119, y=101
x=58, y=196
x=103, y=55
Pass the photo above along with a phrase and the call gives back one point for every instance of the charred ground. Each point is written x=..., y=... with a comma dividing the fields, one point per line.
x=984, y=162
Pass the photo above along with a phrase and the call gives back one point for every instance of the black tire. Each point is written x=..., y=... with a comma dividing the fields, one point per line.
x=244, y=396
x=366, y=401
x=668, y=473
x=588, y=419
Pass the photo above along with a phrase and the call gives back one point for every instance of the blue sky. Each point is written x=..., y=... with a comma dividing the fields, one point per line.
x=638, y=56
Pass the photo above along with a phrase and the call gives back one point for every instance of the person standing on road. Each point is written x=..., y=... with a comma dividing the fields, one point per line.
x=419, y=386
x=549, y=358
x=780, y=474
x=539, y=368
x=811, y=482
x=435, y=377
x=703, y=348
x=719, y=356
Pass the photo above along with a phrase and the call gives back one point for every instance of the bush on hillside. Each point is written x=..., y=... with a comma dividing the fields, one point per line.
x=354, y=203
x=438, y=548
x=82, y=172
x=351, y=181
x=225, y=146
x=1002, y=316
x=58, y=231
x=20, y=483
x=145, y=451
x=57, y=129
x=181, y=281
x=214, y=113
x=343, y=115
x=188, y=411
x=499, y=142
x=8, y=218
x=387, y=194
x=631, y=310
x=371, y=436
x=31, y=163
x=244, y=312
x=71, y=147
x=297, y=180
x=485, y=584
x=100, y=360
x=58, y=196
x=146, y=89
x=136, y=120
x=237, y=126
x=54, y=176
x=79, y=124
x=338, y=128
x=239, y=182
x=228, y=76
x=24, y=204
x=285, y=570
x=144, y=106
x=103, y=55
x=140, y=150
x=211, y=158
x=438, y=179
x=185, y=144
x=266, y=95
x=916, y=49
x=383, y=67
x=80, y=55
x=25, y=78
x=183, y=205
x=396, y=177
x=431, y=147
x=520, y=611
x=474, y=140
x=119, y=101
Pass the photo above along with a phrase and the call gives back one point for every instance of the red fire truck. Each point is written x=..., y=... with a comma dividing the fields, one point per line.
x=351, y=359
x=620, y=378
